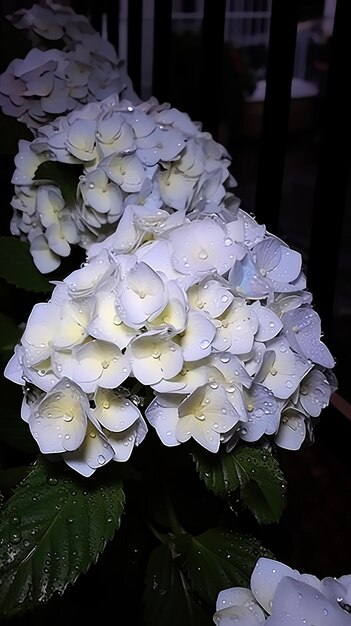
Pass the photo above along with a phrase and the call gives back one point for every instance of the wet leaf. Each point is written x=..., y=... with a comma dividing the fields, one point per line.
x=17, y=266
x=217, y=559
x=51, y=530
x=251, y=470
x=168, y=598
x=64, y=175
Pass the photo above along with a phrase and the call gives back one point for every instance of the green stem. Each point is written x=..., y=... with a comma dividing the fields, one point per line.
x=174, y=523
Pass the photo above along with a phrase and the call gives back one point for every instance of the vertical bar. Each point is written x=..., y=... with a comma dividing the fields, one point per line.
x=135, y=15
x=212, y=64
x=112, y=11
x=96, y=11
x=275, y=121
x=162, y=49
x=332, y=174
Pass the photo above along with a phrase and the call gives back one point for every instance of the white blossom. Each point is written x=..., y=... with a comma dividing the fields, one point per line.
x=279, y=594
x=221, y=367
x=49, y=82
x=124, y=152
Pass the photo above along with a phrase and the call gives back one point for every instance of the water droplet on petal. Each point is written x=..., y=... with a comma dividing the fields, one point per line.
x=204, y=344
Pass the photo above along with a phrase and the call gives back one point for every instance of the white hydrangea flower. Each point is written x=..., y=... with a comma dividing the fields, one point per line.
x=203, y=246
x=205, y=415
x=93, y=453
x=154, y=357
x=280, y=594
x=59, y=420
x=141, y=295
x=236, y=328
x=124, y=150
x=51, y=82
x=315, y=391
x=302, y=327
x=51, y=22
x=222, y=367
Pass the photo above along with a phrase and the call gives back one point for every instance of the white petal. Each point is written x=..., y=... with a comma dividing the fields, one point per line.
x=265, y=578
x=302, y=328
x=114, y=412
x=59, y=421
x=231, y=368
x=298, y=603
x=240, y=615
x=81, y=139
x=288, y=268
x=163, y=416
x=94, y=452
x=269, y=324
x=197, y=337
x=315, y=392
x=234, y=596
x=44, y=258
x=292, y=430
x=127, y=171
x=246, y=280
x=122, y=443
x=14, y=370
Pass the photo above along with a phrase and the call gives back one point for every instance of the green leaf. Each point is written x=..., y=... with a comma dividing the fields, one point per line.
x=251, y=469
x=217, y=559
x=10, y=333
x=51, y=530
x=64, y=175
x=167, y=596
x=10, y=477
x=17, y=267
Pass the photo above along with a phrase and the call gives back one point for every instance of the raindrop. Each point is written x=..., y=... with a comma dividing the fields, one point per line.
x=15, y=537
x=51, y=480
x=204, y=344
x=224, y=358
x=101, y=459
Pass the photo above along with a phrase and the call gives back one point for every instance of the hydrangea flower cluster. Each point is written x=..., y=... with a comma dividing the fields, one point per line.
x=210, y=314
x=53, y=22
x=51, y=82
x=281, y=595
x=135, y=159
